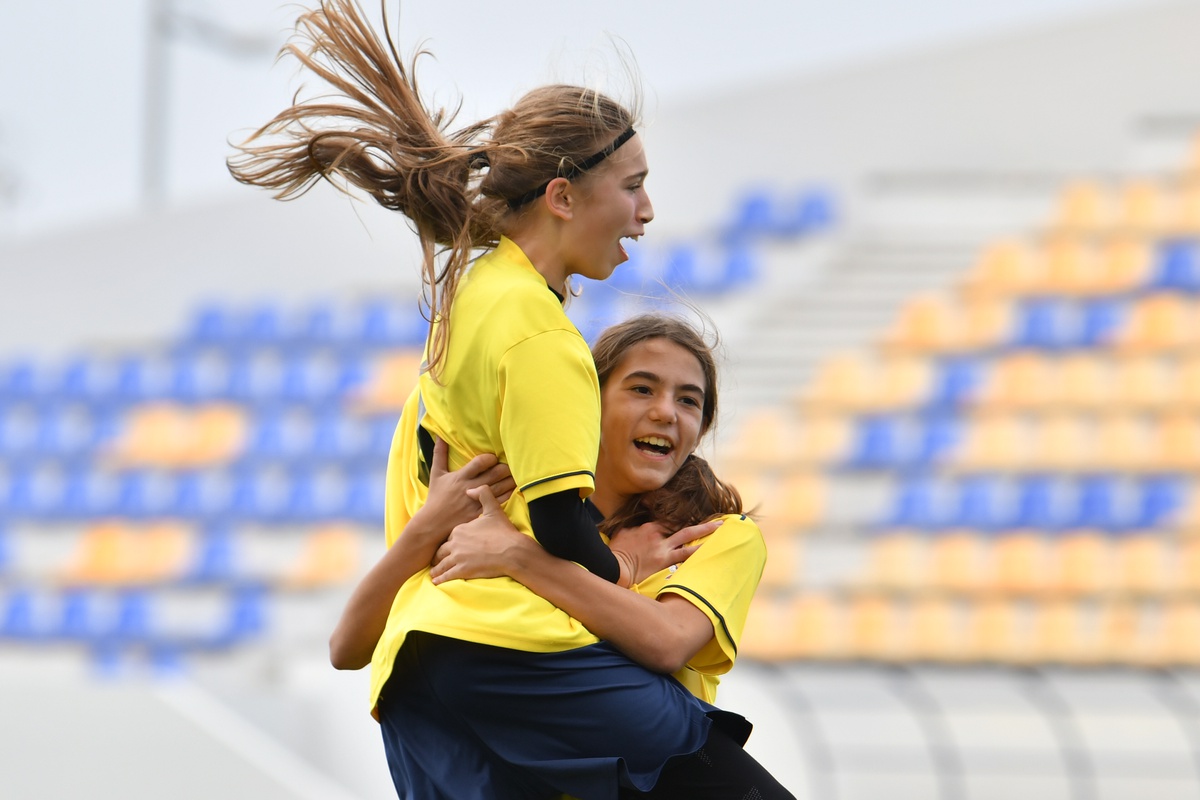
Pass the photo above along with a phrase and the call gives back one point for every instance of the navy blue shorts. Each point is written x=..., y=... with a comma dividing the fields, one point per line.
x=466, y=721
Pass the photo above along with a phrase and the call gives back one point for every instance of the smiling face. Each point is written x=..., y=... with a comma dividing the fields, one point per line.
x=651, y=420
x=612, y=204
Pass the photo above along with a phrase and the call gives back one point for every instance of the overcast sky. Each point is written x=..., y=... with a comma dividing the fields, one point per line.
x=73, y=73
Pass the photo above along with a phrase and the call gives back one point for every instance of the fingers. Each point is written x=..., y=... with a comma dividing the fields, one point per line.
x=502, y=490
x=491, y=506
x=441, y=455
x=694, y=532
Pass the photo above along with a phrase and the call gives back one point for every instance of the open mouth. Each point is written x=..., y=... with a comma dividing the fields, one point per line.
x=654, y=444
x=621, y=247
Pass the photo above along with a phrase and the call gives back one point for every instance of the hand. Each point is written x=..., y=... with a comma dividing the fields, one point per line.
x=450, y=501
x=482, y=548
x=650, y=548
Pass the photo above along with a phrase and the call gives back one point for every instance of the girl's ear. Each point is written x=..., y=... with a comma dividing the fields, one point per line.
x=560, y=198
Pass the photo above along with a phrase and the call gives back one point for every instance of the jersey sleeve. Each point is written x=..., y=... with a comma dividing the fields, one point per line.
x=720, y=579
x=550, y=414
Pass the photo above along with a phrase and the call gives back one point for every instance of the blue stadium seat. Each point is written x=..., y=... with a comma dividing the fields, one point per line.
x=1101, y=319
x=20, y=381
x=264, y=326
x=956, y=382
x=1041, y=324
x=78, y=620
x=979, y=504
x=938, y=437
x=1038, y=504
x=134, y=621
x=364, y=498
x=214, y=325
x=1159, y=498
x=216, y=556
x=877, y=443
x=917, y=504
x=86, y=379
x=386, y=325
x=19, y=620
x=1098, y=504
x=1177, y=266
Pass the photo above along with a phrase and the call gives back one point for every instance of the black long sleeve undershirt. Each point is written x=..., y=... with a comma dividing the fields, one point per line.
x=563, y=525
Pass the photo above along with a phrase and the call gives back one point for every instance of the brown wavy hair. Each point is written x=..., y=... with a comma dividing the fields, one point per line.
x=694, y=494
x=375, y=134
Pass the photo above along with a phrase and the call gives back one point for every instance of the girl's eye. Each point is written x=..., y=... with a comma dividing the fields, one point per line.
x=691, y=401
x=641, y=389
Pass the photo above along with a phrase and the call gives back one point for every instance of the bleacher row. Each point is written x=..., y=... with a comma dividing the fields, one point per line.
x=1035, y=429
x=164, y=500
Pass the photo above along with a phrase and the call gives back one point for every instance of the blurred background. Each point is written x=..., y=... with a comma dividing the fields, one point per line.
x=953, y=251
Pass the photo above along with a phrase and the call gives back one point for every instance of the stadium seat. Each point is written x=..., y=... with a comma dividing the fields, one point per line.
x=330, y=557
x=1020, y=563
x=1084, y=207
x=957, y=561
x=1063, y=441
x=1180, y=637
x=19, y=619
x=1177, y=267
x=1125, y=442
x=843, y=382
x=1086, y=382
x=1000, y=441
x=997, y=631
x=1143, y=562
x=1124, y=265
x=1004, y=269
x=387, y=383
x=1082, y=563
x=875, y=628
x=1062, y=633
x=102, y=556
x=1142, y=207
x=896, y=562
x=1067, y=267
x=878, y=443
x=784, y=563
x=800, y=500
x=936, y=629
x=956, y=383
x=1160, y=323
x=1186, y=217
x=214, y=557
x=1021, y=381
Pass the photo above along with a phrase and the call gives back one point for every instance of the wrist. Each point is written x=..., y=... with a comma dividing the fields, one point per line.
x=628, y=569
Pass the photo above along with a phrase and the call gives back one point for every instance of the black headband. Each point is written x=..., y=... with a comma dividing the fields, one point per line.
x=575, y=170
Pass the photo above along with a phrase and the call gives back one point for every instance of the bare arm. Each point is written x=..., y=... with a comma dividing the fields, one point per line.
x=661, y=635
x=363, y=620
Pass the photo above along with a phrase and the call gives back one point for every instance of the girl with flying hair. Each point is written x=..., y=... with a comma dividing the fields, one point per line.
x=506, y=211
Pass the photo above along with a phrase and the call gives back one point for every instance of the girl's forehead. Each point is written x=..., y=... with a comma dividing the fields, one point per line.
x=663, y=356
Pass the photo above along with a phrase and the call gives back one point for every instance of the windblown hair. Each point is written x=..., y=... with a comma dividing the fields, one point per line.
x=376, y=134
x=694, y=494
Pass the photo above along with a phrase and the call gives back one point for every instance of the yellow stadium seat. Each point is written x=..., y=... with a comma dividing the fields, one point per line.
x=936, y=630
x=927, y=323
x=1063, y=633
x=1180, y=637
x=842, y=382
x=1004, y=269
x=1186, y=219
x=1143, y=564
x=1186, y=380
x=801, y=500
x=1067, y=266
x=393, y=376
x=1084, y=206
x=103, y=556
x=956, y=563
x=1020, y=563
x=161, y=553
x=1062, y=441
x=1187, y=568
x=1160, y=323
x=1175, y=442
x=1020, y=382
x=896, y=562
x=901, y=382
x=1124, y=635
x=1144, y=383
x=820, y=440
x=1124, y=442
x=784, y=627
x=997, y=631
x=1123, y=265
x=874, y=626
x=766, y=438
x=783, y=567
x=1143, y=207
x=330, y=556
x=218, y=435
x=1085, y=382
x=1083, y=564
x=996, y=442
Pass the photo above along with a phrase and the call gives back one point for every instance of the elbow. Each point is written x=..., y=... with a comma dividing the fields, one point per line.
x=666, y=657
x=342, y=656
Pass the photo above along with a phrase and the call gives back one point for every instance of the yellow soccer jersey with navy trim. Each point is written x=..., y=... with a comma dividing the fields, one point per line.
x=720, y=579
x=518, y=381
